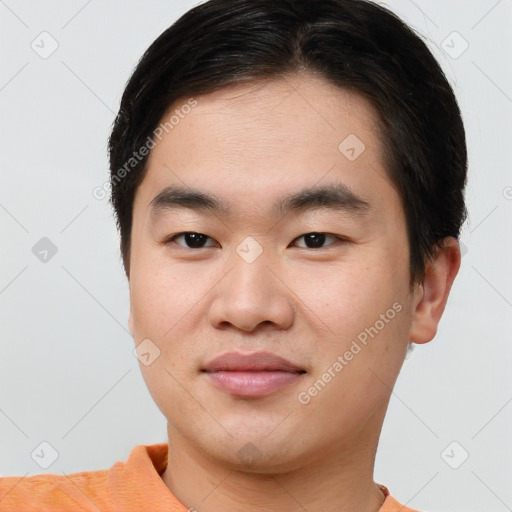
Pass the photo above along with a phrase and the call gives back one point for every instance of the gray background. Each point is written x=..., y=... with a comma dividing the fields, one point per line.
x=68, y=376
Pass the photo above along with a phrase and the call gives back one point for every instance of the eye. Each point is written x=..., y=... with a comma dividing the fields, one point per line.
x=192, y=240
x=315, y=240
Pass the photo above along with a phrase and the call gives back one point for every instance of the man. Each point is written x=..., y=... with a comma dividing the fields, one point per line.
x=288, y=180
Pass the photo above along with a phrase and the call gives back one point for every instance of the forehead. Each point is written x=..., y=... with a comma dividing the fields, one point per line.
x=251, y=142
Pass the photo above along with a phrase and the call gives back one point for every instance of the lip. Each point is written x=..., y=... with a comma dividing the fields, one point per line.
x=258, y=361
x=252, y=375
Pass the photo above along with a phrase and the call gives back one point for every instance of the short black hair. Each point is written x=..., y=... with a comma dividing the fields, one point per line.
x=354, y=44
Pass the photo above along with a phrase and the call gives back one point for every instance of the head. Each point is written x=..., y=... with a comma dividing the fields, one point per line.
x=314, y=153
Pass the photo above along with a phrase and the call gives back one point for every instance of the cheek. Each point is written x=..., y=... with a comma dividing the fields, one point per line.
x=153, y=287
x=359, y=308
x=358, y=364
x=347, y=296
x=160, y=292
x=158, y=300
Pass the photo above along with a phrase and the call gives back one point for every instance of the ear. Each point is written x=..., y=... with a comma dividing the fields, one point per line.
x=430, y=297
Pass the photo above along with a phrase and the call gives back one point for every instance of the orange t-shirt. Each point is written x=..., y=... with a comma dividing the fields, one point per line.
x=135, y=485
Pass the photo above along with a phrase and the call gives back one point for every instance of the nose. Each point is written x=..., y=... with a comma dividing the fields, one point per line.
x=250, y=297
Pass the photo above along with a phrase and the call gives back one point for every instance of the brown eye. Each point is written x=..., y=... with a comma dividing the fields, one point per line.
x=192, y=240
x=315, y=240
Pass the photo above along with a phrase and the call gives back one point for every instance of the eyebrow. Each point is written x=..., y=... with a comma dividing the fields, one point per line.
x=334, y=196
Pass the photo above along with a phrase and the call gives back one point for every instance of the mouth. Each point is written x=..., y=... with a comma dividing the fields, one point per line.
x=252, y=375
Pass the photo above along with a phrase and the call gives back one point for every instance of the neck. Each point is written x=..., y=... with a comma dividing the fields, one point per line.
x=338, y=480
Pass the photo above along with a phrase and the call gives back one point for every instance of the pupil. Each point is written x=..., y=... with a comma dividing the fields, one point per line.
x=195, y=239
x=314, y=239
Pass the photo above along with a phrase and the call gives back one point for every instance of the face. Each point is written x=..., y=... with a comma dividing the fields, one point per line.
x=266, y=222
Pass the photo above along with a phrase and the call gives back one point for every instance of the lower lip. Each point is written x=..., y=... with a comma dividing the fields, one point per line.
x=253, y=384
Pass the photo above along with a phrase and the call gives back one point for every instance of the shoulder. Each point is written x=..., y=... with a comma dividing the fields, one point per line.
x=52, y=492
x=124, y=486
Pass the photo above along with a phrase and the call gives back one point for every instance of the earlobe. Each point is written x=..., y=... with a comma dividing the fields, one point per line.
x=431, y=296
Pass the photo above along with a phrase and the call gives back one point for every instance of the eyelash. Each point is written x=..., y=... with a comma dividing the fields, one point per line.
x=172, y=239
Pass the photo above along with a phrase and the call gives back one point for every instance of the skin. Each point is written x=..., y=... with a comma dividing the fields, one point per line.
x=250, y=145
